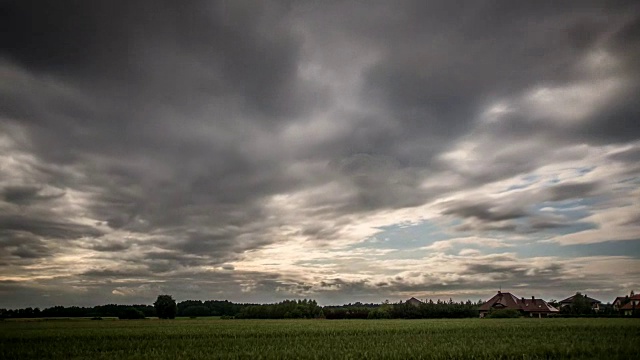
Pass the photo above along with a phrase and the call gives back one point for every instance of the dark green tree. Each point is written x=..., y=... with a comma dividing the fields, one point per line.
x=580, y=305
x=165, y=307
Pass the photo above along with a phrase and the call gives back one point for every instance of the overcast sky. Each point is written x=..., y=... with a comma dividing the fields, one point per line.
x=337, y=150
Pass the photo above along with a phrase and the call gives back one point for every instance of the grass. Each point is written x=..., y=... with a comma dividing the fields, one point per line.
x=322, y=339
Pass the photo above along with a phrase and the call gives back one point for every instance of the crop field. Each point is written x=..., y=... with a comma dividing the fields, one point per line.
x=321, y=339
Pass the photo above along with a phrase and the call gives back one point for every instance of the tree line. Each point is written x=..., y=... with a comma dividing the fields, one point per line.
x=404, y=310
x=166, y=307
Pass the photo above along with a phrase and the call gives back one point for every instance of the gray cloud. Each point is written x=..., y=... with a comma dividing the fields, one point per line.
x=23, y=246
x=154, y=134
x=481, y=212
x=572, y=191
x=47, y=227
x=23, y=195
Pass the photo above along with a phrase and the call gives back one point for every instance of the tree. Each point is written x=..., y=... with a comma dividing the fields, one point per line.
x=580, y=304
x=165, y=307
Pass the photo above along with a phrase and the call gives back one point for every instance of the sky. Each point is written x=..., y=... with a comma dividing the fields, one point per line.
x=342, y=151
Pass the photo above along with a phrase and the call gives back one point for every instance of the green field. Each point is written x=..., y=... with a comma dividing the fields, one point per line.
x=321, y=339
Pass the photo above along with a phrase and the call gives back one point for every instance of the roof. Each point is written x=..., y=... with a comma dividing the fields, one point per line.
x=569, y=300
x=414, y=301
x=502, y=300
x=619, y=299
x=629, y=305
x=537, y=305
x=509, y=301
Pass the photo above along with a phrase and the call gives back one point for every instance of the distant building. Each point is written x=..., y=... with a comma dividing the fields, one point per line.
x=619, y=302
x=413, y=301
x=595, y=304
x=632, y=307
x=527, y=307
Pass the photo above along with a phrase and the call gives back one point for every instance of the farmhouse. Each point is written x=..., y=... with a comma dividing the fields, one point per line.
x=632, y=307
x=413, y=301
x=595, y=304
x=619, y=302
x=528, y=307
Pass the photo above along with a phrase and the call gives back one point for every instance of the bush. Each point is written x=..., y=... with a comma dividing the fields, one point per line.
x=504, y=314
x=131, y=313
x=379, y=313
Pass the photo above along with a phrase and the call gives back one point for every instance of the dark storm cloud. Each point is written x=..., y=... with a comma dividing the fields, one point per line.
x=484, y=213
x=23, y=195
x=241, y=42
x=439, y=72
x=47, y=227
x=516, y=212
x=170, y=124
x=22, y=245
x=572, y=191
x=110, y=246
x=109, y=273
x=156, y=114
x=380, y=182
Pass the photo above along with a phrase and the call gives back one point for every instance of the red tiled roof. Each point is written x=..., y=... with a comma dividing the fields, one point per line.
x=537, y=305
x=619, y=299
x=502, y=301
x=509, y=301
x=629, y=305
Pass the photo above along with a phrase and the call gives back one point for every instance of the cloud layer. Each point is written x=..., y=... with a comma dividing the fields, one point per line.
x=344, y=151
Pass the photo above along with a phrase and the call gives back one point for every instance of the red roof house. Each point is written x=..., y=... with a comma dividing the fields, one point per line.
x=633, y=306
x=527, y=307
x=619, y=302
x=595, y=304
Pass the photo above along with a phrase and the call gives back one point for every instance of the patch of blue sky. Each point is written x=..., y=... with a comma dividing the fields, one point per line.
x=524, y=250
x=403, y=236
x=572, y=209
x=574, y=228
x=629, y=248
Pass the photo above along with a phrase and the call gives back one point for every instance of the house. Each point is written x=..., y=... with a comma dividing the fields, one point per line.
x=413, y=301
x=619, y=302
x=595, y=304
x=632, y=307
x=527, y=307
